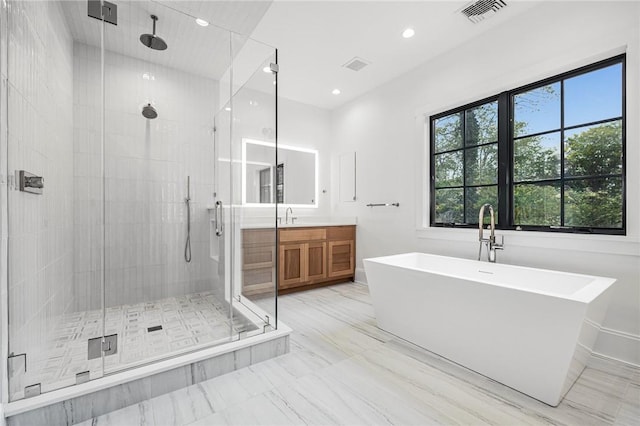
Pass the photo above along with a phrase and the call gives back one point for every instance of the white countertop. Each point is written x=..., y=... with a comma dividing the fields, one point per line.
x=257, y=222
x=296, y=225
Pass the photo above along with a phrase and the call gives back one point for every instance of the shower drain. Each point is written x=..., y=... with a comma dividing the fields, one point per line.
x=154, y=328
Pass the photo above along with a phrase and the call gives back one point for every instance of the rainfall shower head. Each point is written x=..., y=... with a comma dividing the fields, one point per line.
x=153, y=41
x=149, y=112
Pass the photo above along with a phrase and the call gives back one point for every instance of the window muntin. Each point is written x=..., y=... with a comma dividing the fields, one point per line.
x=601, y=101
x=448, y=134
x=465, y=160
x=545, y=211
x=594, y=202
x=536, y=157
x=561, y=155
x=537, y=110
x=602, y=142
x=449, y=205
x=481, y=124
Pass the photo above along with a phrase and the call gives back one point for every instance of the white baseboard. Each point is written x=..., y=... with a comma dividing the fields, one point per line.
x=618, y=345
x=361, y=277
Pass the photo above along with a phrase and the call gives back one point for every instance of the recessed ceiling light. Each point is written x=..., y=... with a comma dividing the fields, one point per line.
x=202, y=22
x=227, y=109
x=266, y=69
x=408, y=33
x=336, y=91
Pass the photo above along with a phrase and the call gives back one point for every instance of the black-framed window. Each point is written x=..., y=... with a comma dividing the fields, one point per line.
x=465, y=162
x=547, y=156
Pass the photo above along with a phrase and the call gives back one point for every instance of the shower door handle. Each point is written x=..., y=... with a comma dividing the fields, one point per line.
x=219, y=218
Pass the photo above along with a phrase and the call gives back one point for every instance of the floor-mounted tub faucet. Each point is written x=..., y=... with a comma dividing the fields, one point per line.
x=490, y=242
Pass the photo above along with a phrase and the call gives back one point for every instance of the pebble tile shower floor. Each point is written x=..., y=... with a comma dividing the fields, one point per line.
x=188, y=322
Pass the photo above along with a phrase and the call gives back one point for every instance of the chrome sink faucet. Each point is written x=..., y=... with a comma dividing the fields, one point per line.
x=286, y=215
x=490, y=243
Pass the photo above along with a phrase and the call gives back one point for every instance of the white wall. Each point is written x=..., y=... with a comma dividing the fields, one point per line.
x=306, y=126
x=40, y=141
x=146, y=167
x=386, y=128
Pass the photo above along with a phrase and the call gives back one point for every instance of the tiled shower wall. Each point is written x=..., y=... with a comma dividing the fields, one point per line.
x=146, y=167
x=40, y=141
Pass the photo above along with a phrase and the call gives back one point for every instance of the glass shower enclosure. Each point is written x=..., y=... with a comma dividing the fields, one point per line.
x=122, y=210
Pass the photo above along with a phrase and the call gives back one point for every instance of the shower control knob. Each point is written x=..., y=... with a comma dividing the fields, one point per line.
x=28, y=182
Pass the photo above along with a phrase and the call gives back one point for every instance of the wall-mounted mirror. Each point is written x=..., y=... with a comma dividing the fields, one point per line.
x=293, y=181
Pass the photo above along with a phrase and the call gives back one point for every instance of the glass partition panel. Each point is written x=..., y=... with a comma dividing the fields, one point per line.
x=55, y=234
x=254, y=83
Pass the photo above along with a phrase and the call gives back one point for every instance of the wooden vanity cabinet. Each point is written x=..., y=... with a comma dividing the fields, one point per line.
x=258, y=261
x=308, y=257
x=303, y=256
x=341, y=254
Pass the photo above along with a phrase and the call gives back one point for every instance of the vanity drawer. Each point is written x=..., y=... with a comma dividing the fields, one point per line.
x=341, y=232
x=258, y=257
x=303, y=234
x=258, y=237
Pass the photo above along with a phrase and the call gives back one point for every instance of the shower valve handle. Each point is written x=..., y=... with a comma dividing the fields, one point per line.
x=34, y=182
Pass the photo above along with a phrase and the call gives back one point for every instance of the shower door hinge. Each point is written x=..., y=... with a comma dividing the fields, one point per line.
x=32, y=390
x=17, y=364
x=82, y=377
x=99, y=346
x=267, y=328
x=108, y=12
x=274, y=68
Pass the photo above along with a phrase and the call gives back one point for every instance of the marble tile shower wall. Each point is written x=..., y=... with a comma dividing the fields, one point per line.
x=146, y=167
x=40, y=141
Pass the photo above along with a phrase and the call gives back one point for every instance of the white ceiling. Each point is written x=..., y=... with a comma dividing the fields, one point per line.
x=315, y=38
x=199, y=50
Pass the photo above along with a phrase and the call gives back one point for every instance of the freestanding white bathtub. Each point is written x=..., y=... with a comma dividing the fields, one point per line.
x=530, y=329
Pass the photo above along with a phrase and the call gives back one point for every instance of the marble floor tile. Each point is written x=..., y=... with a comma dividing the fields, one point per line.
x=342, y=369
x=183, y=406
x=133, y=415
x=439, y=397
x=226, y=390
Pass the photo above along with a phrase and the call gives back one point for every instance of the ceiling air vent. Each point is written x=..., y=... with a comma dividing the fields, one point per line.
x=482, y=9
x=356, y=64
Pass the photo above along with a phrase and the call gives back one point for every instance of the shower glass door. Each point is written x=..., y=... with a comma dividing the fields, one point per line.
x=164, y=289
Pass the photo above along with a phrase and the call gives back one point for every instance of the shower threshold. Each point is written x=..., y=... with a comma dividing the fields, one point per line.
x=75, y=404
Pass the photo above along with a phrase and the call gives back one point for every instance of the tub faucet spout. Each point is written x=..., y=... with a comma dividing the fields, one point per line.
x=490, y=243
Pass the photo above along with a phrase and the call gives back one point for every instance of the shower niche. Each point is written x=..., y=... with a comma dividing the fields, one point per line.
x=109, y=266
